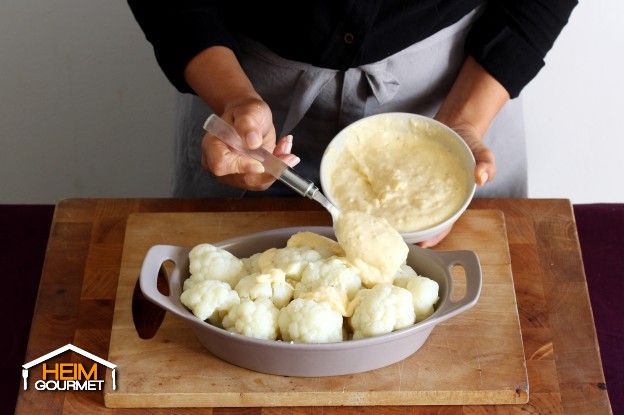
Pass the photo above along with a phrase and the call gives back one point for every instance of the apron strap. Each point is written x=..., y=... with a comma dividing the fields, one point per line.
x=382, y=85
x=307, y=89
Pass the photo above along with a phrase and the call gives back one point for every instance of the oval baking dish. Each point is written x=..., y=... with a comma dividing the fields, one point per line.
x=300, y=359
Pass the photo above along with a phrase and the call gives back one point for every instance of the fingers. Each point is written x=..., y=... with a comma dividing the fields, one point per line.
x=241, y=164
x=253, y=122
x=241, y=169
x=485, y=163
x=284, y=145
x=221, y=161
x=283, y=151
x=485, y=168
x=289, y=159
x=435, y=240
x=484, y=172
x=244, y=181
x=249, y=129
x=258, y=182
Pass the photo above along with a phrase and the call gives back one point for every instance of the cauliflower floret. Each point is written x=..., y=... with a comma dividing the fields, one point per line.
x=290, y=260
x=380, y=310
x=209, y=297
x=331, y=272
x=251, y=264
x=271, y=285
x=372, y=245
x=331, y=281
x=336, y=299
x=207, y=262
x=424, y=295
x=306, y=321
x=253, y=318
x=324, y=246
x=403, y=275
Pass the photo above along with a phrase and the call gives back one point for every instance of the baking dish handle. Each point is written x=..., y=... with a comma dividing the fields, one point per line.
x=472, y=268
x=148, y=278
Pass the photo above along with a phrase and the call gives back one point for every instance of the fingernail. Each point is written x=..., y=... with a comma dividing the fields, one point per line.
x=253, y=139
x=293, y=161
x=256, y=168
x=483, y=177
x=288, y=145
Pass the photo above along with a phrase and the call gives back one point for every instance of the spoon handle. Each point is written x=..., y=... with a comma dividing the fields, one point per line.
x=272, y=165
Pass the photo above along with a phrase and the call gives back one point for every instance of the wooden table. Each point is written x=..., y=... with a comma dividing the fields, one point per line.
x=78, y=286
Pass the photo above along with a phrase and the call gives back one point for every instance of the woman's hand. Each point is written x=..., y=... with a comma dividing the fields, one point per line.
x=435, y=240
x=469, y=108
x=251, y=117
x=485, y=167
x=217, y=77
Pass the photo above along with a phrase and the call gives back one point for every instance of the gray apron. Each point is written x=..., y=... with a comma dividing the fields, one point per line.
x=314, y=104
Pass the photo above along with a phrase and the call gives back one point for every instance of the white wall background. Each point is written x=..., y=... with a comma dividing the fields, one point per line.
x=85, y=111
x=574, y=110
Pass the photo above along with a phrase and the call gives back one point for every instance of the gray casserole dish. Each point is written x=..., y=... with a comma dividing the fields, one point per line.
x=297, y=359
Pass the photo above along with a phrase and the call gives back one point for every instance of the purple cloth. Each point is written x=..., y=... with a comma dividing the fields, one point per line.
x=601, y=233
x=23, y=238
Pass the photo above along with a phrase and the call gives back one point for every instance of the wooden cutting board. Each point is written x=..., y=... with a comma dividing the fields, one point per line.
x=474, y=358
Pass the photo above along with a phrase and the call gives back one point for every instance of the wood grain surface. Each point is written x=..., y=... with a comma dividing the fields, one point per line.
x=474, y=358
x=77, y=293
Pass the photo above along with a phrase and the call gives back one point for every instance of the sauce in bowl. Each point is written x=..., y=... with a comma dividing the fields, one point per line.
x=411, y=172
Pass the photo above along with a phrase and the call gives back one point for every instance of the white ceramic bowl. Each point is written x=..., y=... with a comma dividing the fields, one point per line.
x=449, y=138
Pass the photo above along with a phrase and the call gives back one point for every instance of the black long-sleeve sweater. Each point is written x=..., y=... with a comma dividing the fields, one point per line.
x=509, y=39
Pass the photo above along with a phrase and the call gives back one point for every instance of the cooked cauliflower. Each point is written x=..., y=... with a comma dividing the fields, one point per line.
x=403, y=275
x=207, y=262
x=253, y=318
x=331, y=272
x=424, y=295
x=209, y=297
x=271, y=285
x=380, y=310
x=251, y=264
x=372, y=245
x=324, y=246
x=290, y=260
x=324, y=279
x=331, y=281
x=306, y=321
x=335, y=298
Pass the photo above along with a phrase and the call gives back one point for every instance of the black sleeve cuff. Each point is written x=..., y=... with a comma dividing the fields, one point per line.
x=504, y=53
x=187, y=34
x=179, y=31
